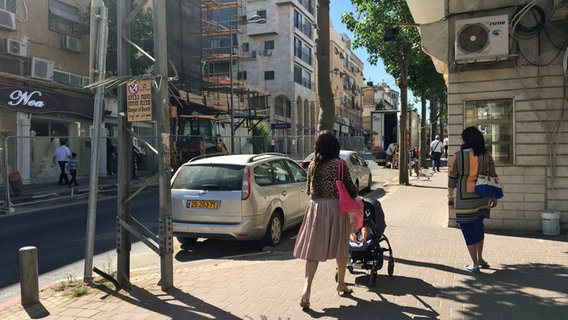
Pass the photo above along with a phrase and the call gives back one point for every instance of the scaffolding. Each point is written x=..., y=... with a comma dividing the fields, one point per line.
x=221, y=21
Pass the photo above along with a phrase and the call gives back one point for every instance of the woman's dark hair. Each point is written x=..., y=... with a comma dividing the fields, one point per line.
x=327, y=147
x=473, y=138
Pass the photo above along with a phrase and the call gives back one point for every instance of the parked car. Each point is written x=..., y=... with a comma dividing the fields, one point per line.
x=238, y=197
x=358, y=167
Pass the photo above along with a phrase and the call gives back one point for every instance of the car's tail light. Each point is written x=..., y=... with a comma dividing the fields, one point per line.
x=246, y=183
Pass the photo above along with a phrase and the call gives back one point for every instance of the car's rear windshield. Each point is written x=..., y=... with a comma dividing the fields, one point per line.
x=209, y=177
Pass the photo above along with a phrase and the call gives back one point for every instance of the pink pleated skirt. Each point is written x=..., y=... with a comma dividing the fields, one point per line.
x=324, y=233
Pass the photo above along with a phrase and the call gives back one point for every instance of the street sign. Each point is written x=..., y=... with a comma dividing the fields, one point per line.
x=139, y=100
x=285, y=125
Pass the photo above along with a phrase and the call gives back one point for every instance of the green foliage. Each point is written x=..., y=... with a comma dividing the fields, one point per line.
x=72, y=287
x=141, y=33
x=368, y=24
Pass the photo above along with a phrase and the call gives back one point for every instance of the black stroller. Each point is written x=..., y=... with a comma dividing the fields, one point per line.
x=367, y=254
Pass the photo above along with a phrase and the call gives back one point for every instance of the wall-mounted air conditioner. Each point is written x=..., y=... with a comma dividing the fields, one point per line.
x=14, y=47
x=72, y=44
x=482, y=39
x=7, y=20
x=41, y=69
x=267, y=52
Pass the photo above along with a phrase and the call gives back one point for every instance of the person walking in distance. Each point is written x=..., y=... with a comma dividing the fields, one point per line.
x=446, y=145
x=62, y=155
x=324, y=233
x=436, y=153
x=470, y=208
x=72, y=166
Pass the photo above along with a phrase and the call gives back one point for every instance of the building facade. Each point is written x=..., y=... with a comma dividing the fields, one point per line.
x=510, y=82
x=44, y=62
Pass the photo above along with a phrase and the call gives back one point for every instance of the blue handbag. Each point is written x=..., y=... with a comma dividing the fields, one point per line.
x=486, y=185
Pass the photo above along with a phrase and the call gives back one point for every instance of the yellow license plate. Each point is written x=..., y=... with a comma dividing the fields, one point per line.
x=202, y=204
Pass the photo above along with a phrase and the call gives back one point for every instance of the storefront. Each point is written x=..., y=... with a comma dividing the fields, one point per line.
x=33, y=119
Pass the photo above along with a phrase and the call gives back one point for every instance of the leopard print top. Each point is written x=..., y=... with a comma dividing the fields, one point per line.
x=321, y=180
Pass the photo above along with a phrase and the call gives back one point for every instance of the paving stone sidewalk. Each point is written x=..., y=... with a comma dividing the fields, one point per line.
x=528, y=278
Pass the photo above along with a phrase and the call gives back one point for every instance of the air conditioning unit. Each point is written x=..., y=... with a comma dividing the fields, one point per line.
x=267, y=52
x=482, y=39
x=72, y=44
x=7, y=20
x=15, y=47
x=41, y=69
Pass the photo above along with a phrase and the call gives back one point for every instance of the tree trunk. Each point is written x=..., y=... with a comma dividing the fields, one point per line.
x=424, y=148
x=325, y=93
x=403, y=150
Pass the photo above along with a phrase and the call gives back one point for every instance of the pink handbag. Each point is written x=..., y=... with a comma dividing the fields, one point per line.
x=348, y=205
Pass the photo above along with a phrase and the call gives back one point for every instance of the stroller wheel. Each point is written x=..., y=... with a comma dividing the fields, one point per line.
x=390, y=267
x=373, y=279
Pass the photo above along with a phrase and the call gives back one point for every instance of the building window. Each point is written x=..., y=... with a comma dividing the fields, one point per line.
x=494, y=118
x=64, y=18
x=297, y=74
x=269, y=45
x=261, y=13
x=242, y=75
x=245, y=47
x=269, y=75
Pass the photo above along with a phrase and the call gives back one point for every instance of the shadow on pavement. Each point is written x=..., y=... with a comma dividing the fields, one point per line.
x=183, y=306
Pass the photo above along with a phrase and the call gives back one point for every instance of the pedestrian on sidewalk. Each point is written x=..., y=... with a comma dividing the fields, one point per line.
x=72, y=166
x=62, y=155
x=470, y=208
x=436, y=148
x=390, y=152
x=446, y=145
x=324, y=233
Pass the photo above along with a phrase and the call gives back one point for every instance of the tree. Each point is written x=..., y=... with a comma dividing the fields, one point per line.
x=141, y=33
x=426, y=83
x=368, y=23
x=325, y=93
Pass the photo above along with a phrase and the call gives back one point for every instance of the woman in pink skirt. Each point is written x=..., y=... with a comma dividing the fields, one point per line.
x=324, y=233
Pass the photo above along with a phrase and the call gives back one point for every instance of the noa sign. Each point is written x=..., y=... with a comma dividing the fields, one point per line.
x=37, y=100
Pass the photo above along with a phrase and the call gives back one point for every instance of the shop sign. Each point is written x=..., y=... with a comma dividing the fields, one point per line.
x=139, y=100
x=33, y=100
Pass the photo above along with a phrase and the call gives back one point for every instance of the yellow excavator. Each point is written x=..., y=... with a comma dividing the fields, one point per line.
x=194, y=135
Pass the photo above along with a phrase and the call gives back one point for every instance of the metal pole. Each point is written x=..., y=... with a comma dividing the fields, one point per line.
x=231, y=105
x=161, y=109
x=102, y=33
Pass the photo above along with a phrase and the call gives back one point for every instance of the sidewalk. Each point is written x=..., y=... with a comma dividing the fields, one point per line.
x=527, y=279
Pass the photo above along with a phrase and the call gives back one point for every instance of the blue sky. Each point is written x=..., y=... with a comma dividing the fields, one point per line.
x=377, y=73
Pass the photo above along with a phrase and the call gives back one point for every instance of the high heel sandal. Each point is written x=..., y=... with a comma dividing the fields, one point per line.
x=304, y=303
x=344, y=291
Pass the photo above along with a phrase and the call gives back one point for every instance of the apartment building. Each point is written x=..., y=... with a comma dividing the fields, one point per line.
x=44, y=62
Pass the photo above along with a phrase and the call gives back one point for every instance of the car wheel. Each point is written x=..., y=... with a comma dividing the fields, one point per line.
x=274, y=231
x=185, y=241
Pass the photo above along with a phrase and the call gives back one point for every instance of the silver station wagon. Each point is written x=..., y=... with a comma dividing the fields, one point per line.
x=238, y=197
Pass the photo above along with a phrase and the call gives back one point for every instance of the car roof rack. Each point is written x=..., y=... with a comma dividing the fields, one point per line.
x=264, y=154
x=207, y=155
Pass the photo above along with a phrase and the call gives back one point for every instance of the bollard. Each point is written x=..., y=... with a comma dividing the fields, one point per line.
x=29, y=283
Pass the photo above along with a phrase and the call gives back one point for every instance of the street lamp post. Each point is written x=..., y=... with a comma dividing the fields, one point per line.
x=253, y=19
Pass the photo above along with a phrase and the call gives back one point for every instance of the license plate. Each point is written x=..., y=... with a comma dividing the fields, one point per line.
x=202, y=204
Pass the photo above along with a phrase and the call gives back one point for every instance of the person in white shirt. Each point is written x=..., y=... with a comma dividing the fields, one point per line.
x=62, y=155
x=446, y=143
x=391, y=150
x=436, y=148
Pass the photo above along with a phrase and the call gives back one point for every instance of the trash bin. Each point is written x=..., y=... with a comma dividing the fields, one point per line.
x=550, y=223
